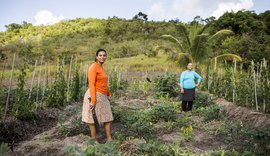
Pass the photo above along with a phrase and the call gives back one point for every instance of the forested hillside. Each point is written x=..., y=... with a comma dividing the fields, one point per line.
x=124, y=38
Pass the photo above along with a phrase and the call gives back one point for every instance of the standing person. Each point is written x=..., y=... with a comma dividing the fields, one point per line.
x=97, y=97
x=187, y=84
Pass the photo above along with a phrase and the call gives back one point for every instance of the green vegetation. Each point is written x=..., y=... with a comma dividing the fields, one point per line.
x=52, y=62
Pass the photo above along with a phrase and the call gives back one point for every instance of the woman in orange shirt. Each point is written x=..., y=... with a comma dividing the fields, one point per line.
x=98, y=93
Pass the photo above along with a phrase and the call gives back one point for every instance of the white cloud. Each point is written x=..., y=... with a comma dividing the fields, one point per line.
x=232, y=6
x=46, y=17
x=156, y=10
x=186, y=10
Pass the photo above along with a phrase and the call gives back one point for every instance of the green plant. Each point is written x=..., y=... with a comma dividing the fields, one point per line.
x=75, y=85
x=166, y=84
x=22, y=108
x=108, y=149
x=4, y=149
x=163, y=111
x=135, y=89
x=187, y=131
x=57, y=92
x=202, y=100
x=255, y=139
x=170, y=126
x=116, y=83
x=214, y=112
x=70, y=122
x=156, y=147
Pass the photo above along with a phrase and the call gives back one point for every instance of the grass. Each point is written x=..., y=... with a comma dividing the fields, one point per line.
x=144, y=63
x=132, y=64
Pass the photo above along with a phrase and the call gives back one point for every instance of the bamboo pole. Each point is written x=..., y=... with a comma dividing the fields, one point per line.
x=257, y=78
x=69, y=77
x=10, y=84
x=81, y=78
x=45, y=79
x=255, y=88
x=32, y=81
x=233, y=79
x=265, y=85
x=39, y=74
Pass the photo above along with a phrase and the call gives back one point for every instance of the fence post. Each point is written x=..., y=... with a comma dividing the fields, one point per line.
x=69, y=77
x=32, y=82
x=40, y=68
x=255, y=88
x=10, y=83
x=45, y=79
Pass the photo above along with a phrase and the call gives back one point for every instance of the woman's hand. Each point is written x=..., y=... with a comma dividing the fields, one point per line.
x=197, y=85
x=182, y=90
x=92, y=106
x=109, y=98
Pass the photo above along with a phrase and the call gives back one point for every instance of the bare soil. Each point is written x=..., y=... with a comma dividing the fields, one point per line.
x=45, y=139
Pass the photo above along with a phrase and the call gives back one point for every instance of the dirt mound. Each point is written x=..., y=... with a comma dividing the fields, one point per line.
x=13, y=130
x=243, y=114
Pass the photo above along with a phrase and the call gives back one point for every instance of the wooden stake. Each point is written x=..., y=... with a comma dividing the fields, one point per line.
x=10, y=84
x=255, y=88
x=69, y=77
x=40, y=68
x=32, y=82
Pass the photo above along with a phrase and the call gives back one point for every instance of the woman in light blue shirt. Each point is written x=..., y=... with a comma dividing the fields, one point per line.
x=188, y=85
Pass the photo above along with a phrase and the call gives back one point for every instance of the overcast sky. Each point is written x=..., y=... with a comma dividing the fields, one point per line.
x=52, y=11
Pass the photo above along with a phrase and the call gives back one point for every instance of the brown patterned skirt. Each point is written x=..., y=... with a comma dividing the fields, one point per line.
x=103, y=108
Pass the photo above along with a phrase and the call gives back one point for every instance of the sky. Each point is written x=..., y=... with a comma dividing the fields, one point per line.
x=48, y=12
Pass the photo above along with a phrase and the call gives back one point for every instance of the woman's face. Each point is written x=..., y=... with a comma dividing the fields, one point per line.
x=102, y=56
x=189, y=66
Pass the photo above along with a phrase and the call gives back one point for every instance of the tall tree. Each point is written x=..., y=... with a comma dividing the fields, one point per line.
x=193, y=44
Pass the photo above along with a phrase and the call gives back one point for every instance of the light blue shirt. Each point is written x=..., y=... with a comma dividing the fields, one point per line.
x=187, y=79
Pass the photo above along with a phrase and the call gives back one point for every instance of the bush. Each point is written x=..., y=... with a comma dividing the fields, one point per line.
x=202, y=100
x=166, y=84
x=22, y=107
x=56, y=95
x=214, y=112
x=164, y=112
x=92, y=149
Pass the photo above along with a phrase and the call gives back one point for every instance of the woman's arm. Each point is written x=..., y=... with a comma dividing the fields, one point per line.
x=182, y=80
x=92, y=75
x=196, y=75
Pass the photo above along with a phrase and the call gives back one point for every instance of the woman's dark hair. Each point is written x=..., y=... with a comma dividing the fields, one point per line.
x=99, y=50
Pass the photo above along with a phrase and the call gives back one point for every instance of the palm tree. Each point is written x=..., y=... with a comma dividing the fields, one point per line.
x=193, y=45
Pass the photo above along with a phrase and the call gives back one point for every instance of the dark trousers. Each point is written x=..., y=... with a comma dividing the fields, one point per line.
x=187, y=106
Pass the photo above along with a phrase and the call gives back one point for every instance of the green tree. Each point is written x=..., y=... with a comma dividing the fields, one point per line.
x=194, y=44
x=141, y=16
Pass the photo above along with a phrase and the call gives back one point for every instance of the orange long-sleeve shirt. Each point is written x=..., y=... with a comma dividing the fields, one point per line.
x=97, y=81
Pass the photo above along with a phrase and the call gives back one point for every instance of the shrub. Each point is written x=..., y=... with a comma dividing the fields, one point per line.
x=92, y=149
x=163, y=111
x=166, y=84
x=56, y=96
x=214, y=112
x=22, y=107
